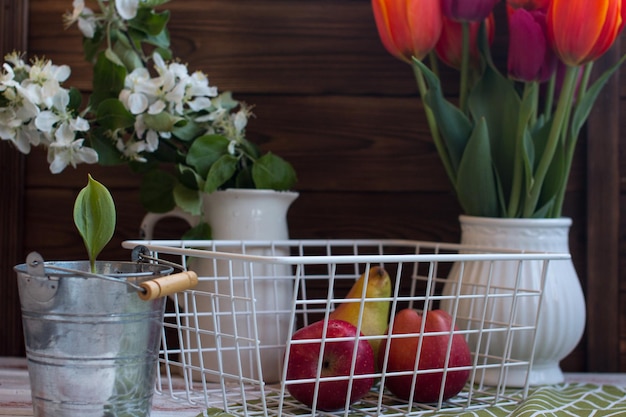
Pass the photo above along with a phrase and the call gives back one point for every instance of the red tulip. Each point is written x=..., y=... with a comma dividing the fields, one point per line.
x=582, y=30
x=408, y=28
x=449, y=48
x=468, y=10
x=529, y=64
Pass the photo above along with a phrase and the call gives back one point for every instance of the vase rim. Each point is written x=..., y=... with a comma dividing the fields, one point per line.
x=256, y=191
x=525, y=222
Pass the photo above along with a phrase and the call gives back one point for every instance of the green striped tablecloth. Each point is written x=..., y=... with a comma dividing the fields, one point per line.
x=563, y=400
x=575, y=399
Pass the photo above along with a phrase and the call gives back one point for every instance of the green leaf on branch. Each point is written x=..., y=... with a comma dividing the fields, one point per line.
x=188, y=131
x=187, y=199
x=162, y=122
x=108, y=80
x=127, y=55
x=221, y=171
x=200, y=232
x=189, y=177
x=76, y=98
x=112, y=115
x=108, y=154
x=152, y=3
x=204, y=151
x=273, y=172
x=91, y=46
x=94, y=217
x=149, y=22
x=157, y=191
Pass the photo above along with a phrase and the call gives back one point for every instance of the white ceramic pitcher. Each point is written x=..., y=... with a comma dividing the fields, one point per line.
x=227, y=346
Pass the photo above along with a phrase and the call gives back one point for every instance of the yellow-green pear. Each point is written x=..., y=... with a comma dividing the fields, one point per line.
x=375, y=313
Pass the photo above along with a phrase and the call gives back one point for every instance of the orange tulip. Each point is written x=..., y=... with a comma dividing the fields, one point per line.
x=449, y=48
x=582, y=30
x=408, y=28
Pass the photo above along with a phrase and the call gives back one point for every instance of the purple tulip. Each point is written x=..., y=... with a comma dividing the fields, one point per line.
x=467, y=10
x=530, y=56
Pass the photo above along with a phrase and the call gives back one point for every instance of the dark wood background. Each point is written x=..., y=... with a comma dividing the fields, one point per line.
x=329, y=99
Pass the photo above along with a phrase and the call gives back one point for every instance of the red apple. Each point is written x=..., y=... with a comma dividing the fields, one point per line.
x=337, y=361
x=403, y=354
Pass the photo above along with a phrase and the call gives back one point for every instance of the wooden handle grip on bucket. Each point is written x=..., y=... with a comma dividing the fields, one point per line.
x=161, y=287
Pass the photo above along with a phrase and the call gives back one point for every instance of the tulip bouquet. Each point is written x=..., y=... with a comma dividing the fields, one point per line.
x=507, y=144
x=146, y=109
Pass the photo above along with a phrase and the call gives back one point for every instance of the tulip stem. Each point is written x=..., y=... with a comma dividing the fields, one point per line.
x=549, y=97
x=555, y=135
x=465, y=58
x=432, y=124
x=526, y=117
x=570, y=144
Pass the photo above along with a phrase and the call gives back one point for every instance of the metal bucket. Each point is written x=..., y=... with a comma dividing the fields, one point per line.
x=92, y=344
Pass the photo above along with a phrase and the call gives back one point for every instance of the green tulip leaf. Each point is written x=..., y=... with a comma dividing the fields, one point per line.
x=273, y=172
x=94, y=216
x=582, y=110
x=495, y=99
x=477, y=188
x=454, y=126
x=555, y=181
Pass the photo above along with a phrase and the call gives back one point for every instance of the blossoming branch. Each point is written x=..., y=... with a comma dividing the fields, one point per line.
x=146, y=109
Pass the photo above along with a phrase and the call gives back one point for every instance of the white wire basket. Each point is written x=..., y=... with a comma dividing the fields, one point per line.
x=226, y=343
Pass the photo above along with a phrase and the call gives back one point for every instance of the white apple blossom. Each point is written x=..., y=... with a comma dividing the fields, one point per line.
x=66, y=150
x=35, y=111
x=85, y=17
x=172, y=91
x=127, y=9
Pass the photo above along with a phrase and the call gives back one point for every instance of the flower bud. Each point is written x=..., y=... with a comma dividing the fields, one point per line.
x=468, y=10
x=529, y=64
x=581, y=30
x=408, y=28
x=449, y=48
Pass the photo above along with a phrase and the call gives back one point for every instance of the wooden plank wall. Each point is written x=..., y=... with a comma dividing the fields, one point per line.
x=13, y=34
x=327, y=97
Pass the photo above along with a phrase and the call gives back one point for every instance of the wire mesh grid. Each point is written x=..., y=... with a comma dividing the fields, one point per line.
x=226, y=343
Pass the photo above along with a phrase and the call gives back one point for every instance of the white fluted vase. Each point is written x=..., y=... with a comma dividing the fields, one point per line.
x=562, y=314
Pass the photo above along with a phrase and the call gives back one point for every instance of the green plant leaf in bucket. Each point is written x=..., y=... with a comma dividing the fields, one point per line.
x=94, y=216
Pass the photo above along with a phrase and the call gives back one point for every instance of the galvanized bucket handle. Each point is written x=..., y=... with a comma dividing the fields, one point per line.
x=146, y=290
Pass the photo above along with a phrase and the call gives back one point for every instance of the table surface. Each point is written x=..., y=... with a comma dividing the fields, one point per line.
x=15, y=398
